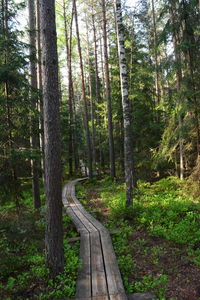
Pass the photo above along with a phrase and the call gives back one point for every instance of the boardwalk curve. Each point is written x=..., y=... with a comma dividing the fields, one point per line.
x=99, y=277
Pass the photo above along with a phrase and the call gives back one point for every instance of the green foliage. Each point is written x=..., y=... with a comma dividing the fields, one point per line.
x=165, y=210
x=161, y=208
x=22, y=257
x=149, y=283
x=15, y=106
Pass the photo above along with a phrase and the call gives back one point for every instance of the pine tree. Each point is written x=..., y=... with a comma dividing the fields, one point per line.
x=54, y=231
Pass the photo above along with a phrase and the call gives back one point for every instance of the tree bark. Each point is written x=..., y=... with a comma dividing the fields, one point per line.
x=89, y=150
x=108, y=96
x=39, y=80
x=128, y=145
x=34, y=140
x=70, y=87
x=54, y=230
x=92, y=104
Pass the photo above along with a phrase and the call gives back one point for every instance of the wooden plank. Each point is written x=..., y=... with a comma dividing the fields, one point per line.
x=83, y=219
x=114, y=280
x=91, y=219
x=75, y=239
x=83, y=288
x=64, y=191
x=99, y=285
x=79, y=225
x=99, y=275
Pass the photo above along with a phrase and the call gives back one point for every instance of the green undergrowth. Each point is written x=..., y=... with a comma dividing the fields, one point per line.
x=165, y=211
x=23, y=274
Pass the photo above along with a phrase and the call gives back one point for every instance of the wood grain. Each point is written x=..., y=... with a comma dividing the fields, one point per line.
x=99, y=276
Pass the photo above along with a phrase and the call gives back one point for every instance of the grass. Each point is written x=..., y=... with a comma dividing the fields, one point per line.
x=23, y=273
x=162, y=225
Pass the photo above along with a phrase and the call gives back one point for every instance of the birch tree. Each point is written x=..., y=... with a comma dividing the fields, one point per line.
x=108, y=96
x=128, y=147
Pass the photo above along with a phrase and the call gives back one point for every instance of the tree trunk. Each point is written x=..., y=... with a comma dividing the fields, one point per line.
x=70, y=88
x=89, y=150
x=97, y=84
x=92, y=105
x=39, y=80
x=34, y=119
x=178, y=86
x=108, y=96
x=158, y=92
x=128, y=145
x=54, y=230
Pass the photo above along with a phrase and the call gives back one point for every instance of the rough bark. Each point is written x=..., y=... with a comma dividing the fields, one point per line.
x=128, y=145
x=108, y=96
x=54, y=230
x=89, y=150
x=34, y=140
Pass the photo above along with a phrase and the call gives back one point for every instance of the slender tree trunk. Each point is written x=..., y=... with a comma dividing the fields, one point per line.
x=39, y=80
x=54, y=230
x=97, y=84
x=108, y=96
x=92, y=105
x=70, y=88
x=34, y=119
x=89, y=150
x=128, y=145
x=158, y=90
x=178, y=87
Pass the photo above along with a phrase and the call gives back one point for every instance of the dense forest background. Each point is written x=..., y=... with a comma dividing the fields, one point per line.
x=162, y=54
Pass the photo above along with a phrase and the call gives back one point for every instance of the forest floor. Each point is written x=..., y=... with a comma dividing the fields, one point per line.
x=23, y=274
x=156, y=241
x=158, y=246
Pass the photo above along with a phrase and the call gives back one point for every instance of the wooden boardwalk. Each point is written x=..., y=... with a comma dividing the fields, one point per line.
x=99, y=277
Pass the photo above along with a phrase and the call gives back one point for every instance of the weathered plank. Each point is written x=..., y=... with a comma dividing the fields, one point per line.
x=79, y=225
x=83, y=288
x=99, y=285
x=115, y=285
x=99, y=277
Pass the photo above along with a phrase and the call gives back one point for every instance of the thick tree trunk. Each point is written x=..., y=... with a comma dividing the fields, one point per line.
x=128, y=144
x=54, y=230
x=89, y=150
x=108, y=96
x=34, y=119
